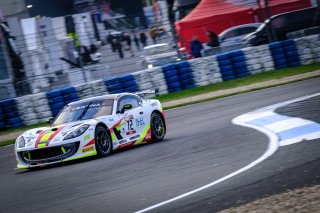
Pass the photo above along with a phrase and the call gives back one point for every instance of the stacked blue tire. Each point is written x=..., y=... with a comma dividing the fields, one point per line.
x=2, y=121
x=239, y=64
x=114, y=85
x=69, y=95
x=185, y=75
x=172, y=78
x=128, y=83
x=9, y=116
x=178, y=76
x=56, y=101
x=59, y=98
x=232, y=65
x=284, y=54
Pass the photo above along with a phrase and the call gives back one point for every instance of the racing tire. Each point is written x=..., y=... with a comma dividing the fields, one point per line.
x=102, y=141
x=157, y=126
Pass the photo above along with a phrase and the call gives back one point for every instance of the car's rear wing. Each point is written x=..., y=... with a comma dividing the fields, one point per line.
x=146, y=94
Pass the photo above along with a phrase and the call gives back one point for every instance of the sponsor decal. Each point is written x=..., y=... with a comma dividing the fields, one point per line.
x=86, y=137
x=129, y=117
x=154, y=104
x=87, y=149
x=140, y=122
x=122, y=141
x=131, y=132
x=111, y=119
x=134, y=137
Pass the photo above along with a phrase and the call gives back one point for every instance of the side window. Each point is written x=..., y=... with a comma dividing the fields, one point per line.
x=229, y=34
x=134, y=101
x=237, y=32
x=247, y=30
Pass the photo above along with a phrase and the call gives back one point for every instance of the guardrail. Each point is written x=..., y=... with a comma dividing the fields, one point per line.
x=35, y=108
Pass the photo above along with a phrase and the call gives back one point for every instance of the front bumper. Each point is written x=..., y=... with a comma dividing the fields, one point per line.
x=48, y=155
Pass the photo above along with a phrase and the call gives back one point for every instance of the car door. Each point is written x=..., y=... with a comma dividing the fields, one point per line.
x=133, y=120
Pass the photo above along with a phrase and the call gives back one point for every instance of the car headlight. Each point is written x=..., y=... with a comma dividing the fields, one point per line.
x=21, y=142
x=77, y=132
x=150, y=66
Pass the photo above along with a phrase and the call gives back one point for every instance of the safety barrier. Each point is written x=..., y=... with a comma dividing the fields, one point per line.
x=183, y=75
x=178, y=76
x=9, y=114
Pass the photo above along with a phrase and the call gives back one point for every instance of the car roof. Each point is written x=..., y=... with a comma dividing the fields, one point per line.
x=240, y=26
x=105, y=97
x=155, y=45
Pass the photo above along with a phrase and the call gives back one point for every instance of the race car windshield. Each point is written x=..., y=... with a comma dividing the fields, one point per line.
x=84, y=111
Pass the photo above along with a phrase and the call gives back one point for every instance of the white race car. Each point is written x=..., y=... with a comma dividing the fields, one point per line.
x=93, y=126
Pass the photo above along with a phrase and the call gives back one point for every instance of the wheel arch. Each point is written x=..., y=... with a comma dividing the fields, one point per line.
x=100, y=124
x=162, y=115
x=106, y=127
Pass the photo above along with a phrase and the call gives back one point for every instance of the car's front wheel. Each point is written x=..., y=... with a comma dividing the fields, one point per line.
x=102, y=141
x=158, y=127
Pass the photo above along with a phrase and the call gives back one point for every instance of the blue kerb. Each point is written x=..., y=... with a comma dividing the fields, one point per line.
x=299, y=131
x=268, y=120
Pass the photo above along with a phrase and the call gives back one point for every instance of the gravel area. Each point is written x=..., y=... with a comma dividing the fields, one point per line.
x=300, y=200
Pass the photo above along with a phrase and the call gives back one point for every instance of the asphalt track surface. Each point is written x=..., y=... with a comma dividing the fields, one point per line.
x=201, y=146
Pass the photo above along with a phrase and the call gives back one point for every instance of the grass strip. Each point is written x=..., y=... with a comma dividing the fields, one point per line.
x=235, y=93
x=261, y=77
x=23, y=128
x=7, y=142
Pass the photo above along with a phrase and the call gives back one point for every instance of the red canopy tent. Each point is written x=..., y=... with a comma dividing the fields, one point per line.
x=214, y=15
x=218, y=15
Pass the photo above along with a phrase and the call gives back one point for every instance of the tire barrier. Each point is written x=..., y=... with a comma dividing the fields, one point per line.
x=258, y=59
x=9, y=114
x=128, y=83
x=113, y=85
x=232, y=65
x=98, y=87
x=308, y=49
x=36, y=108
x=121, y=84
x=179, y=76
x=143, y=80
x=85, y=91
x=91, y=89
x=158, y=80
x=284, y=54
x=57, y=99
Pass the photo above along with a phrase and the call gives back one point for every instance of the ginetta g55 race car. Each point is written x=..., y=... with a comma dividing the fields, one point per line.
x=93, y=126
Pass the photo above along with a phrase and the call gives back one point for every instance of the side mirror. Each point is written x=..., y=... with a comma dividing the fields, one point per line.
x=50, y=120
x=125, y=108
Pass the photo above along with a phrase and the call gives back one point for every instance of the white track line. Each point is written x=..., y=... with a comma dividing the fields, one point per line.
x=272, y=148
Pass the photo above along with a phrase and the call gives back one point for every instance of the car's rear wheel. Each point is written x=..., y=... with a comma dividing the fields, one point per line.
x=102, y=141
x=158, y=127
